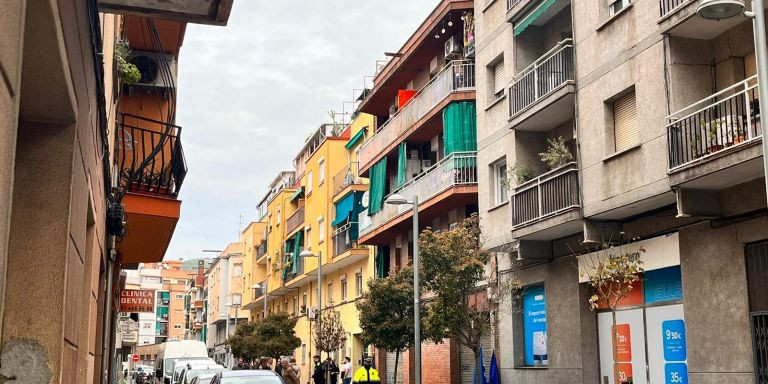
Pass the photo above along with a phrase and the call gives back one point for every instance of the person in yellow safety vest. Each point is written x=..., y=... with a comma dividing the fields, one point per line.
x=366, y=374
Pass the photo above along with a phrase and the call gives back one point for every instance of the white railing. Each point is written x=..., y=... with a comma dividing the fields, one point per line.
x=512, y=3
x=545, y=75
x=547, y=195
x=457, y=76
x=458, y=168
x=728, y=118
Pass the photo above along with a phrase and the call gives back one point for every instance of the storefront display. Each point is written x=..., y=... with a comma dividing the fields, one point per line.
x=535, y=326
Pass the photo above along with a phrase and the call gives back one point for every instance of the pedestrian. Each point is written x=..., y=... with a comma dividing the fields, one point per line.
x=241, y=365
x=279, y=366
x=366, y=374
x=295, y=366
x=319, y=372
x=346, y=371
x=264, y=363
x=333, y=370
x=289, y=375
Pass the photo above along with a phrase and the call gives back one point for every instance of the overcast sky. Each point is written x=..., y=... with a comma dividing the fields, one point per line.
x=249, y=93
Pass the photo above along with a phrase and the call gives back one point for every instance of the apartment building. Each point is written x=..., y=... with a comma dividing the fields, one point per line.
x=423, y=146
x=224, y=280
x=252, y=236
x=659, y=109
x=196, y=305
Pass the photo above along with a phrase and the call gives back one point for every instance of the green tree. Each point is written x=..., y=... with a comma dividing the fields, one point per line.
x=453, y=266
x=386, y=313
x=611, y=272
x=273, y=336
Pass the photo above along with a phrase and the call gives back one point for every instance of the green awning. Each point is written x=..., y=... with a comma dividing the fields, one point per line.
x=299, y=193
x=378, y=182
x=460, y=127
x=401, y=164
x=359, y=135
x=532, y=16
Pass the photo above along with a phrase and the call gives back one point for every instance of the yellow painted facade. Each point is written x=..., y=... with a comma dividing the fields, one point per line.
x=251, y=237
x=321, y=168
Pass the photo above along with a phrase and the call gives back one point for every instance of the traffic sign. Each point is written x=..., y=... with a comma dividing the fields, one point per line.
x=135, y=358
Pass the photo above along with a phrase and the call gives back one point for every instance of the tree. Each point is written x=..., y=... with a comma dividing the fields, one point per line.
x=453, y=267
x=611, y=272
x=386, y=313
x=273, y=336
x=330, y=335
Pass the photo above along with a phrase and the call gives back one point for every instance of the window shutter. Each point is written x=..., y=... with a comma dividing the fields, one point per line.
x=750, y=65
x=625, y=122
x=498, y=78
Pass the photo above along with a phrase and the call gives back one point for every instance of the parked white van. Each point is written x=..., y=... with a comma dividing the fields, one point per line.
x=176, y=350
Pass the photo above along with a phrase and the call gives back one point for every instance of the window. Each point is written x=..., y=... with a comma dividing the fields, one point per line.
x=496, y=72
x=329, y=298
x=359, y=283
x=295, y=305
x=303, y=354
x=304, y=300
x=321, y=171
x=625, y=122
x=343, y=288
x=309, y=182
x=320, y=229
x=618, y=5
x=179, y=296
x=237, y=299
x=278, y=215
x=308, y=236
x=500, y=184
x=237, y=271
x=177, y=326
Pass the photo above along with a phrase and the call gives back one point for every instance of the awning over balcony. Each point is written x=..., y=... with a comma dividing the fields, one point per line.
x=344, y=209
x=378, y=182
x=540, y=15
x=298, y=194
x=460, y=127
x=357, y=137
x=402, y=163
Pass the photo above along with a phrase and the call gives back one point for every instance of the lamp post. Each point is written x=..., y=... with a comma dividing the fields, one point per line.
x=264, y=293
x=305, y=254
x=397, y=199
x=724, y=9
x=226, y=338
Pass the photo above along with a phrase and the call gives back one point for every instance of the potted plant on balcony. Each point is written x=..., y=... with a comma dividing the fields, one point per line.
x=127, y=72
x=523, y=173
x=557, y=153
x=712, y=135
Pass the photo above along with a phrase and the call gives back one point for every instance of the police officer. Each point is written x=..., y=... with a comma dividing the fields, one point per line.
x=366, y=374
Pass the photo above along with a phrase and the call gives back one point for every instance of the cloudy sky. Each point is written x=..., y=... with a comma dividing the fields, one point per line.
x=249, y=94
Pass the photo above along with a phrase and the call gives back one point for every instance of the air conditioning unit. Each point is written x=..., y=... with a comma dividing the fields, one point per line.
x=452, y=47
x=311, y=313
x=158, y=70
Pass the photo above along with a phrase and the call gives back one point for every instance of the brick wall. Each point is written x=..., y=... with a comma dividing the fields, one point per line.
x=439, y=363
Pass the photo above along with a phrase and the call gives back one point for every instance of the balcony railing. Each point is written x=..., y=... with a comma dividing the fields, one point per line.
x=341, y=240
x=512, y=3
x=262, y=249
x=198, y=304
x=456, y=169
x=547, y=74
x=726, y=119
x=547, y=195
x=457, y=76
x=149, y=156
x=667, y=6
x=346, y=177
x=295, y=220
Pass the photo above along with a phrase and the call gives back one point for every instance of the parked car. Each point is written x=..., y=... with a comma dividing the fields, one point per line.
x=171, y=351
x=203, y=379
x=182, y=364
x=195, y=371
x=247, y=377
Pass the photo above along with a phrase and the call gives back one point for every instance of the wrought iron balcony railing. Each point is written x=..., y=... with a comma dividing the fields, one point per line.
x=545, y=75
x=707, y=127
x=149, y=156
x=547, y=195
x=456, y=169
x=456, y=76
x=341, y=239
x=667, y=6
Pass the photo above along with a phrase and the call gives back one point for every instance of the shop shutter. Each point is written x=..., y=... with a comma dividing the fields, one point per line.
x=467, y=360
x=498, y=79
x=625, y=122
x=391, y=368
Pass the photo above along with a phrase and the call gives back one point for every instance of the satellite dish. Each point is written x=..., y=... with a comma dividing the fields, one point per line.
x=364, y=200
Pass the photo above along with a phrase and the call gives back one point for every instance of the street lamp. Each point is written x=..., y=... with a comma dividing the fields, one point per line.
x=304, y=254
x=264, y=293
x=226, y=338
x=723, y=9
x=397, y=199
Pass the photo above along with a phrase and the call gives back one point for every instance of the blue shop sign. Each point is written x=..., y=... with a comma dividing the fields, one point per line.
x=673, y=336
x=676, y=373
x=661, y=285
x=535, y=326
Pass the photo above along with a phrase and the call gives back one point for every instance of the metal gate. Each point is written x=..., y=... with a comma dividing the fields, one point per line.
x=467, y=360
x=391, y=368
x=757, y=285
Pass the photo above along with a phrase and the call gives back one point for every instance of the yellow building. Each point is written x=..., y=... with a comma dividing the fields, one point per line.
x=252, y=237
x=316, y=209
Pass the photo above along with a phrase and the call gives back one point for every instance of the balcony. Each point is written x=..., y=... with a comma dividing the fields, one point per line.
x=456, y=77
x=547, y=206
x=151, y=165
x=678, y=18
x=192, y=11
x=295, y=221
x=542, y=95
x=714, y=143
x=348, y=177
x=261, y=250
x=440, y=181
x=198, y=304
x=197, y=325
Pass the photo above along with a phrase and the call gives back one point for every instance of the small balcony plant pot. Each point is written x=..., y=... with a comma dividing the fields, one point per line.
x=715, y=148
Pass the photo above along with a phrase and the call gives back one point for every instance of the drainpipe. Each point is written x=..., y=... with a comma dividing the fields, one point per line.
x=107, y=334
